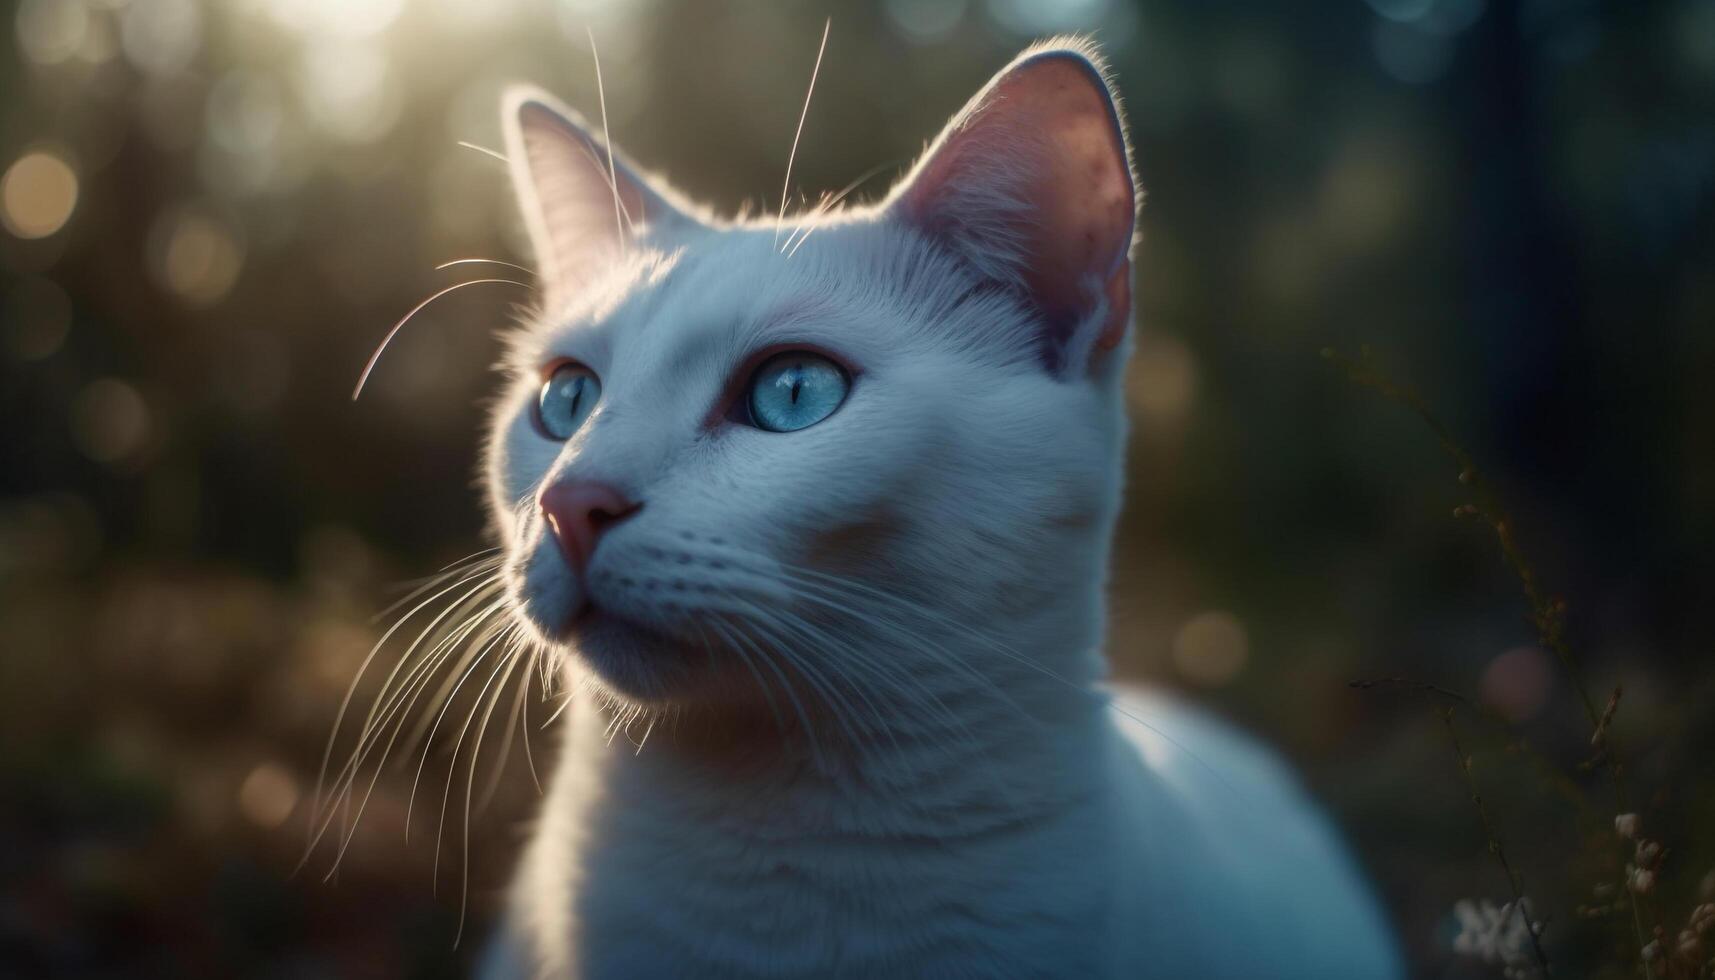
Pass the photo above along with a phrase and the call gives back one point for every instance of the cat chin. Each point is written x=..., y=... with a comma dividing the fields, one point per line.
x=643, y=665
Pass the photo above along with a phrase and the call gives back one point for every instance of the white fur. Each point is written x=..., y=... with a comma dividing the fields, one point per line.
x=920, y=776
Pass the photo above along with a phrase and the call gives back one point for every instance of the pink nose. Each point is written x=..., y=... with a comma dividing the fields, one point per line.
x=579, y=511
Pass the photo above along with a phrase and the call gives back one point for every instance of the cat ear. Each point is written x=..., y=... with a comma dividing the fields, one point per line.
x=1031, y=183
x=578, y=218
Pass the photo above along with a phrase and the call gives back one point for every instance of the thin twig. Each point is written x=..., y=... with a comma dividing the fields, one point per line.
x=1514, y=880
x=1515, y=742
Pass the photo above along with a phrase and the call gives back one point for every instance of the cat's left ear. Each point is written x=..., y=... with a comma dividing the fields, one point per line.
x=1031, y=184
x=582, y=206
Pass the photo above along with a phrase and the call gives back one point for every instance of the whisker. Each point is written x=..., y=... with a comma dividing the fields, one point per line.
x=523, y=725
x=373, y=358
x=904, y=604
x=654, y=716
x=351, y=692
x=829, y=202
x=840, y=588
x=565, y=702
x=791, y=692
x=831, y=699
x=449, y=566
x=498, y=632
x=925, y=644
x=399, y=704
x=767, y=695
x=463, y=672
x=529, y=760
x=612, y=172
x=476, y=261
x=511, y=664
x=1028, y=662
x=780, y=623
x=475, y=596
x=485, y=150
x=792, y=157
x=471, y=567
x=894, y=679
x=398, y=707
x=511, y=728
x=875, y=668
x=622, y=715
x=466, y=674
x=872, y=674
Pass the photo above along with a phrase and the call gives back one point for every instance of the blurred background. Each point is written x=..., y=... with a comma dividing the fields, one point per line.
x=210, y=212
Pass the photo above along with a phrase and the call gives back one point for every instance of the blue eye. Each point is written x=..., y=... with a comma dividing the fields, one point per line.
x=566, y=400
x=795, y=390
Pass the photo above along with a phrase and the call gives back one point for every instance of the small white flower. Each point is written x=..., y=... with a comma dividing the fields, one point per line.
x=1627, y=824
x=1499, y=934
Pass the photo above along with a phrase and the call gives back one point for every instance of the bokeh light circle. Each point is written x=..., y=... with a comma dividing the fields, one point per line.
x=38, y=194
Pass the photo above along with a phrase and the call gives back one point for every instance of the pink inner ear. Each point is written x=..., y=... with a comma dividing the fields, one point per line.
x=568, y=174
x=1037, y=165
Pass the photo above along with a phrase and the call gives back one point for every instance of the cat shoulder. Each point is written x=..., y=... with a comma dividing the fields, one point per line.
x=1254, y=854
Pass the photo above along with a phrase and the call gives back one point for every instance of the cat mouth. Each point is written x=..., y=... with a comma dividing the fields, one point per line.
x=590, y=616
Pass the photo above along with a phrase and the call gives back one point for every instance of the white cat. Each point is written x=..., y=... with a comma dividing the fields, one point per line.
x=822, y=512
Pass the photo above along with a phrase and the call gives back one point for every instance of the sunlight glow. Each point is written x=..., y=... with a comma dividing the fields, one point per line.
x=349, y=90
x=336, y=18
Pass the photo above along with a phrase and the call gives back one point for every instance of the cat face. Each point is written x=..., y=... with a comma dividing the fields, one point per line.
x=738, y=461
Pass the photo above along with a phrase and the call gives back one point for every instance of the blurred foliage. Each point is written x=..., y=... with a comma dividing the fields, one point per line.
x=210, y=212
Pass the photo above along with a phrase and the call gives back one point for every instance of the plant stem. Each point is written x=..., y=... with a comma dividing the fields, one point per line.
x=1514, y=880
x=1546, y=615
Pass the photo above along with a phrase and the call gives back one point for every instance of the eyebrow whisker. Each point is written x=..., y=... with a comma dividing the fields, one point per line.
x=476, y=261
x=792, y=157
x=376, y=356
x=467, y=144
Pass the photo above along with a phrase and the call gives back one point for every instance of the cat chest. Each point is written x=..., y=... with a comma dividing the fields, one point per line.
x=828, y=908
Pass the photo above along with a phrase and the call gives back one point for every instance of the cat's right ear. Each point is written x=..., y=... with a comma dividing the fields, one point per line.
x=582, y=200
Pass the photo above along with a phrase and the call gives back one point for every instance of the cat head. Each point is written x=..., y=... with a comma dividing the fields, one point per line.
x=738, y=461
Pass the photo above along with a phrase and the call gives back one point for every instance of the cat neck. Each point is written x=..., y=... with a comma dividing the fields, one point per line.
x=870, y=856
x=1000, y=738
x=902, y=840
